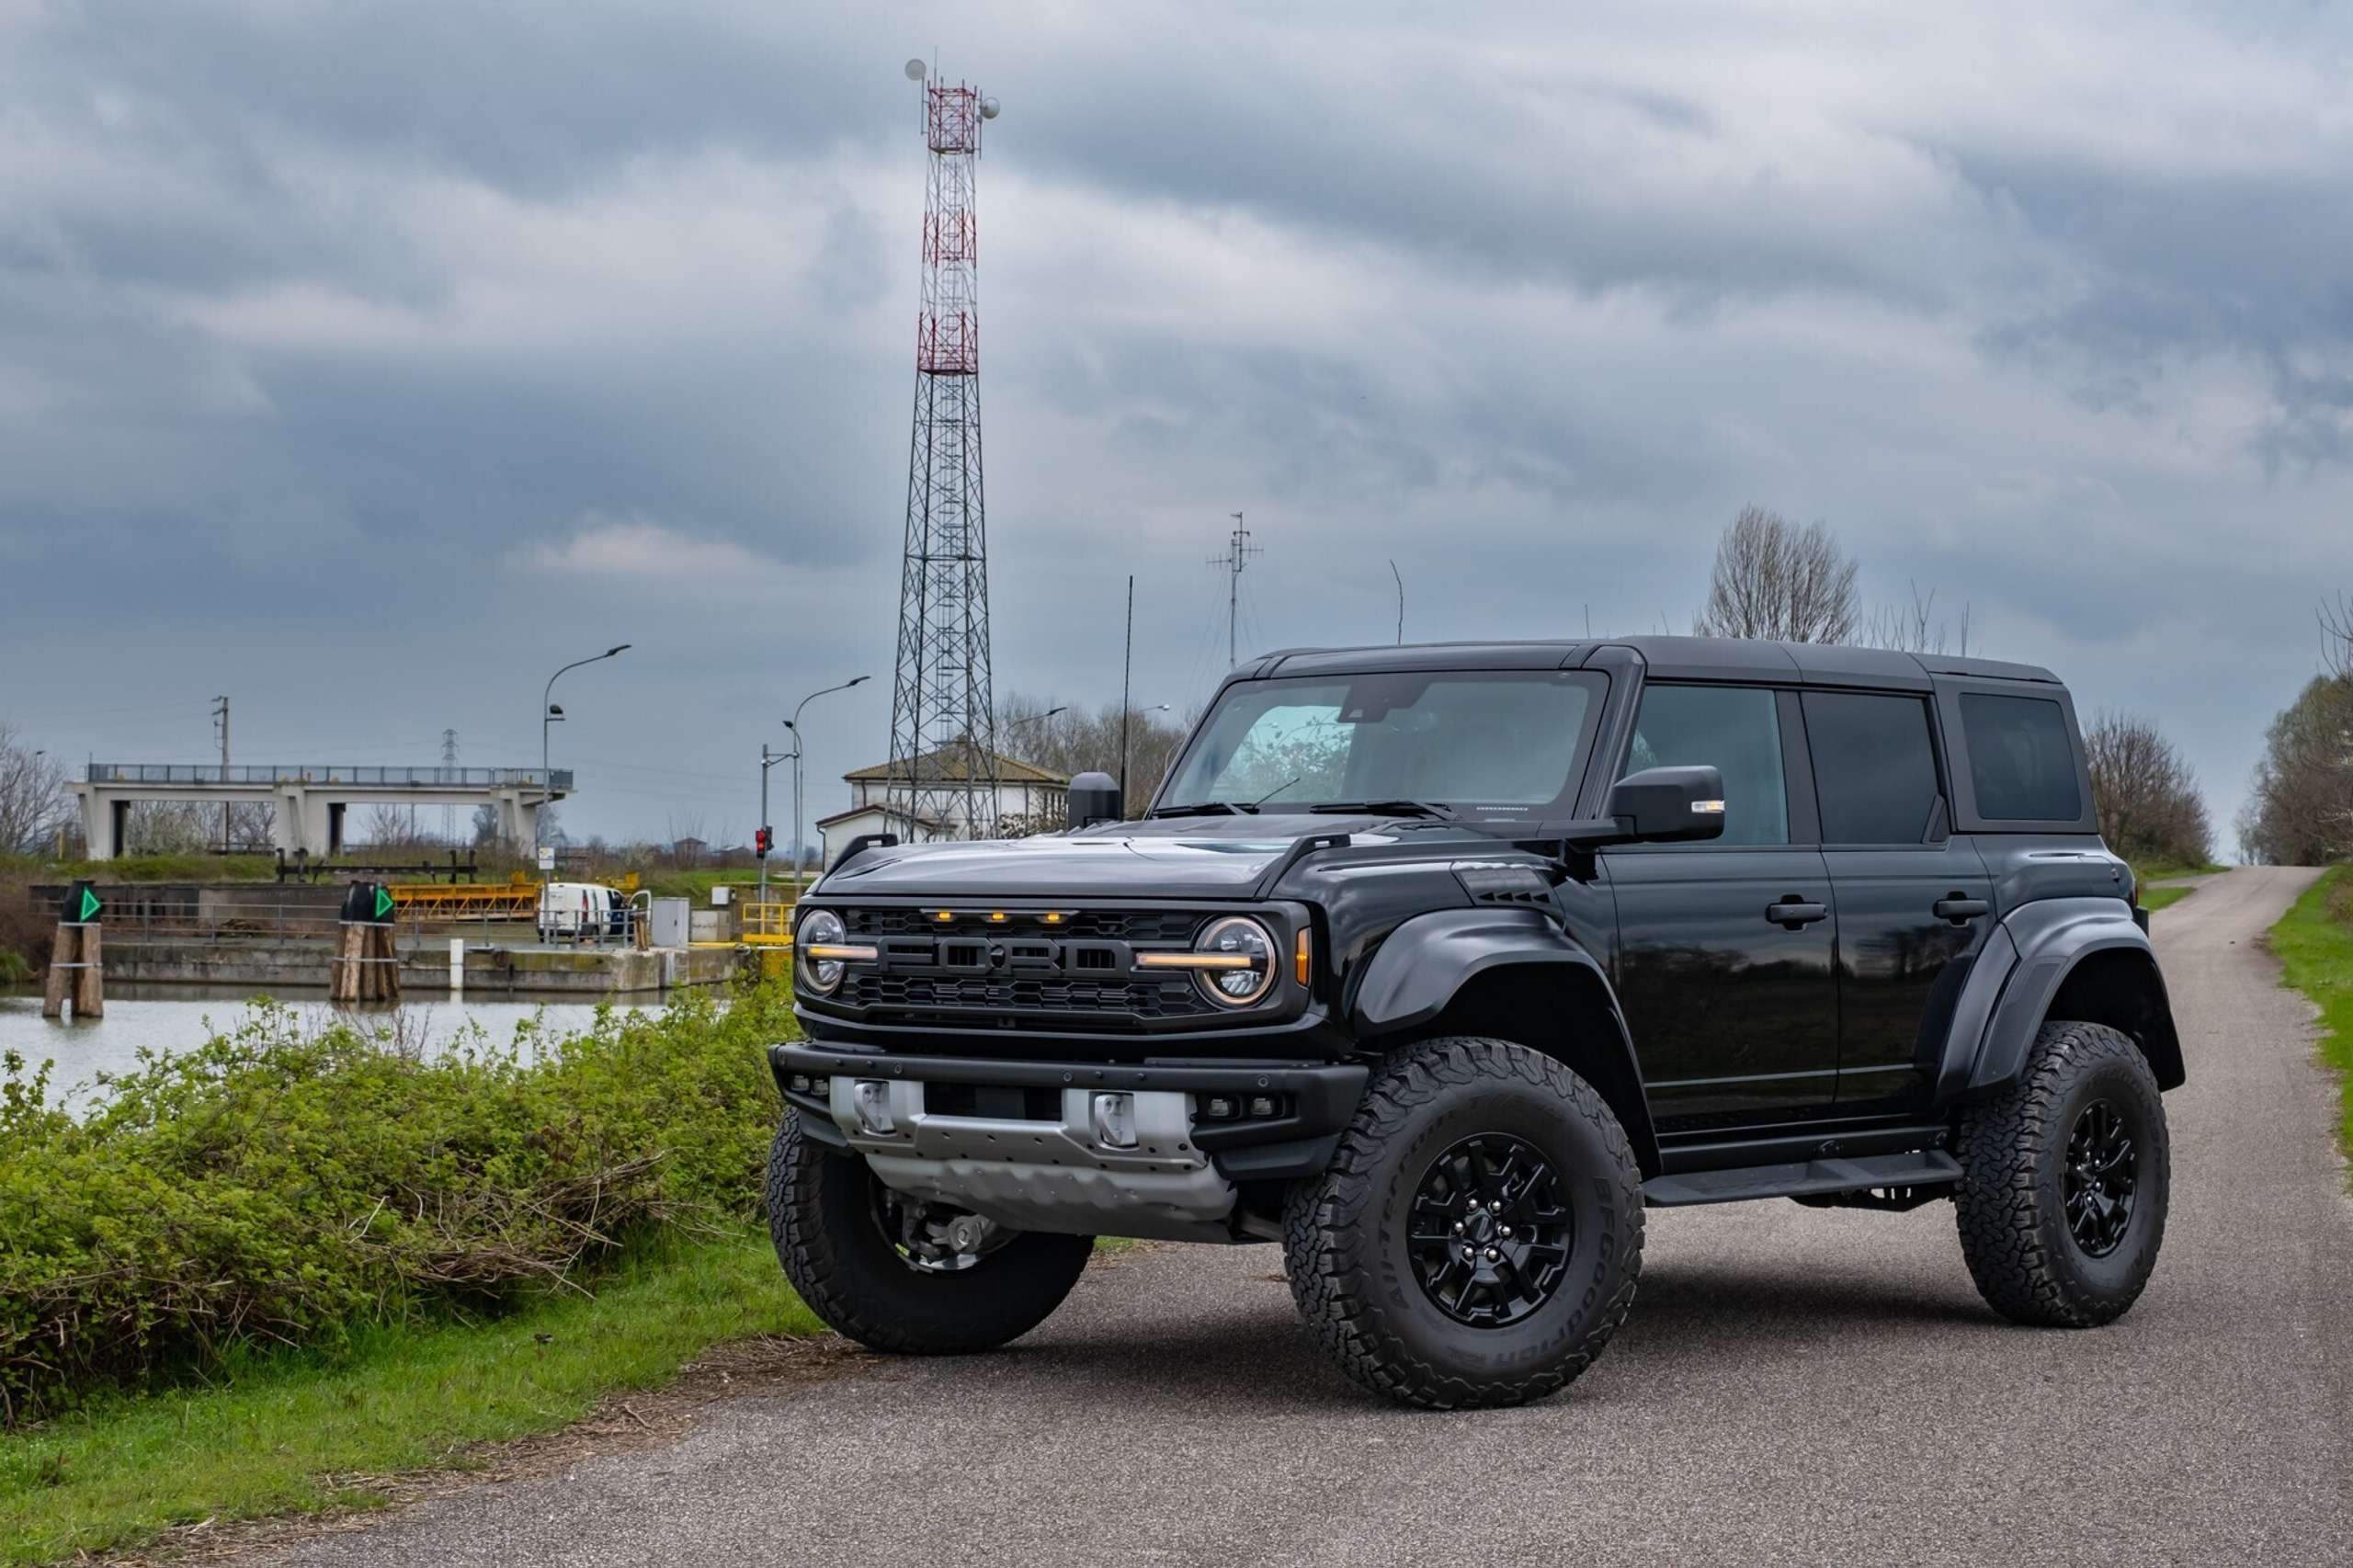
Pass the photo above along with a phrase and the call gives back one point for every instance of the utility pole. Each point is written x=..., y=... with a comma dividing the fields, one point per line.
x=1127, y=668
x=769, y=759
x=220, y=723
x=449, y=760
x=1238, y=551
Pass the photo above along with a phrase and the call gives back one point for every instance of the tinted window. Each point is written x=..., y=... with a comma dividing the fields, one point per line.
x=1733, y=730
x=1874, y=766
x=2020, y=760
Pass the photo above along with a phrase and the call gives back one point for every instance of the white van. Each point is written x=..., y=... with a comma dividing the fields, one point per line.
x=574, y=911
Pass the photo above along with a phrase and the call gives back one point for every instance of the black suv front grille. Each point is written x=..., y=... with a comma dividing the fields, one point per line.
x=1143, y=927
x=924, y=999
x=912, y=987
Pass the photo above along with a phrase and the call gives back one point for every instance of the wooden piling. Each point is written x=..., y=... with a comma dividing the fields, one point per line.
x=343, y=983
x=76, y=972
x=89, y=980
x=64, y=951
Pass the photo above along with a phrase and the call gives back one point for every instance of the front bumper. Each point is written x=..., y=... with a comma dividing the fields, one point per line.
x=1046, y=1170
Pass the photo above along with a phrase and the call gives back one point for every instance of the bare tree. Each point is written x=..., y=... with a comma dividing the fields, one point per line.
x=1074, y=740
x=1914, y=629
x=33, y=801
x=1776, y=580
x=2150, y=807
x=2300, y=806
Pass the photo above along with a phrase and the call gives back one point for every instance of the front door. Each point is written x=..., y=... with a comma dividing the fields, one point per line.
x=1726, y=948
x=1914, y=902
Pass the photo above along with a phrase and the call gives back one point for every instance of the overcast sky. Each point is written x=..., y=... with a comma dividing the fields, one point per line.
x=367, y=361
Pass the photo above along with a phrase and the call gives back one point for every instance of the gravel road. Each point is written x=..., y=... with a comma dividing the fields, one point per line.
x=1794, y=1386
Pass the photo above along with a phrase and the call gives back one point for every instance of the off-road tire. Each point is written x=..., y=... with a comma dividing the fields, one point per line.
x=2011, y=1204
x=1344, y=1231
x=821, y=1216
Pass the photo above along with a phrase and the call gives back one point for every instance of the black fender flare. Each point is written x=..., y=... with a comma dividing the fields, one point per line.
x=1424, y=963
x=2025, y=962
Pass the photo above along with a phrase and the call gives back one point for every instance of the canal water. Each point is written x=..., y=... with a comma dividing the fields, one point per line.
x=172, y=1018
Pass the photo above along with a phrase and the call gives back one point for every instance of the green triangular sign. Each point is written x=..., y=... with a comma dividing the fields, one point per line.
x=90, y=905
x=384, y=902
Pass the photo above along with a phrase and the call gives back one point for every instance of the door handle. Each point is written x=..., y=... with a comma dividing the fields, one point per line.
x=1961, y=911
x=1793, y=912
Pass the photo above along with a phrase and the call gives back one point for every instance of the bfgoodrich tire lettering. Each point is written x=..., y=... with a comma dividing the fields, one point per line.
x=1345, y=1235
x=2031, y=1264
x=822, y=1218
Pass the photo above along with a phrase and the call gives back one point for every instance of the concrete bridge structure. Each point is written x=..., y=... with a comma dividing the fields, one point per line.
x=309, y=800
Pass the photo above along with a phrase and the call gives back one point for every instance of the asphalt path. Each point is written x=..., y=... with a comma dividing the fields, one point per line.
x=1794, y=1386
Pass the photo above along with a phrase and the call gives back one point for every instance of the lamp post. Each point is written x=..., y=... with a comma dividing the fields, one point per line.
x=548, y=714
x=793, y=724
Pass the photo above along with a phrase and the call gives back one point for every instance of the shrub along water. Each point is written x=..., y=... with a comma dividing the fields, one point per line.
x=286, y=1186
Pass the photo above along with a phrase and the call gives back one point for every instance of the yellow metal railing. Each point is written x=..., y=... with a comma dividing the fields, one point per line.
x=466, y=901
x=767, y=924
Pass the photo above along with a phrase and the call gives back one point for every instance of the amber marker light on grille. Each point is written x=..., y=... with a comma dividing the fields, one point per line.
x=834, y=952
x=998, y=917
x=1303, y=952
x=944, y=916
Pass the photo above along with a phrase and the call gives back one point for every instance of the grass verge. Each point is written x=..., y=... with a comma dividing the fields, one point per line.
x=288, y=1435
x=2155, y=899
x=2314, y=941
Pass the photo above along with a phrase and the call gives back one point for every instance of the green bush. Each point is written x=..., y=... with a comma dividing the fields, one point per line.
x=283, y=1187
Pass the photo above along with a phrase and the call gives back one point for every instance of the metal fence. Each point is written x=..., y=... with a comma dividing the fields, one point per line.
x=555, y=778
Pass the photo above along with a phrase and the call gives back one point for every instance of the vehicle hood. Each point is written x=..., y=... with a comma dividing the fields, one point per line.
x=1181, y=858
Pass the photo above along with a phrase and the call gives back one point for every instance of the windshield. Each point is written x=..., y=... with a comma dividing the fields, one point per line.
x=1482, y=742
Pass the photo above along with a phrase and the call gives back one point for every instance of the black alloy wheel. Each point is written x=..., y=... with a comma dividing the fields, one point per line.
x=2103, y=1167
x=1489, y=1233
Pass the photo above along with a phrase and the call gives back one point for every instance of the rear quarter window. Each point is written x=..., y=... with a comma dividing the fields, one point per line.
x=2021, y=759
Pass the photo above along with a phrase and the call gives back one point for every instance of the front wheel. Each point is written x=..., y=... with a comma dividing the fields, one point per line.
x=1478, y=1235
x=2065, y=1179
x=895, y=1276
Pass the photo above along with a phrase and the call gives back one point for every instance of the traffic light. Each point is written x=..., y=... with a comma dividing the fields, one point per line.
x=763, y=841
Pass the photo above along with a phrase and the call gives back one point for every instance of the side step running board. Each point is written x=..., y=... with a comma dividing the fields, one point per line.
x=1927, y=1167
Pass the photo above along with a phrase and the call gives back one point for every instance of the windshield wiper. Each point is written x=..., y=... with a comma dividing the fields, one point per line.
x=1203, y=808
x=1390, y=809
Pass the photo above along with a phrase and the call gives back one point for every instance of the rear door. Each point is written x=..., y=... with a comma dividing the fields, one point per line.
x=1726, y=948
x=1913, y=898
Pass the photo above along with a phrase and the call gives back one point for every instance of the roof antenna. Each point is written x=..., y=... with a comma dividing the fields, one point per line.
x=1401, y=601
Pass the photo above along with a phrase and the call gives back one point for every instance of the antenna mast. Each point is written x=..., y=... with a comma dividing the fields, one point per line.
x=1238, y=551
x=943, y=767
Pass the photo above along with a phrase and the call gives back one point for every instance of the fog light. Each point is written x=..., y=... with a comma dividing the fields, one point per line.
x=1115, y=1121
x=1217, y=1108
x=872, y=1098
x=1262, y=1105
x=800, y=1082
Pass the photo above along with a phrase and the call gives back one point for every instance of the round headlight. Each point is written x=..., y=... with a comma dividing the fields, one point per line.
x=820, y=925
x=1239, y=986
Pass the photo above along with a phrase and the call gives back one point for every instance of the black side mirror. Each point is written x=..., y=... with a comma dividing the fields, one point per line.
x=1094, y=797
x=1669, y=805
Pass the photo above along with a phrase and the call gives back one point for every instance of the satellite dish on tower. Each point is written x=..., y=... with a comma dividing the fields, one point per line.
x=989, y=109
x=914, y=70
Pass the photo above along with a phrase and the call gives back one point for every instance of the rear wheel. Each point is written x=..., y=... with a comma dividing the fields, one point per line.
x=899, y=1275
x=1478, y=1235
x=2066, y=1177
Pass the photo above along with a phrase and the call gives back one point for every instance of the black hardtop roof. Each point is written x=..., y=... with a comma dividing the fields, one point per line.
x=1666, y=658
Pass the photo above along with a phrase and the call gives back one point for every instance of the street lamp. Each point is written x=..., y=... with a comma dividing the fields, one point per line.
x=548, y=714
x=793, y=724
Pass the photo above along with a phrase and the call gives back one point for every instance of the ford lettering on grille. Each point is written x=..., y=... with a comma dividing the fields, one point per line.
x=1004, y=957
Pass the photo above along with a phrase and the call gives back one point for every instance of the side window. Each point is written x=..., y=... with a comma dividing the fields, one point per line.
x=1735, y=730
x=1874, y=766
x=2020, y=762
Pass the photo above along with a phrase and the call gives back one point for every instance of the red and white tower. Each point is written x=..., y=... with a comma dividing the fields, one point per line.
x=943, y=766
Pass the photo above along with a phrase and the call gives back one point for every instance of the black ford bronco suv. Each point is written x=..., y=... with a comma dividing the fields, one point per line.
x=1438, y=965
